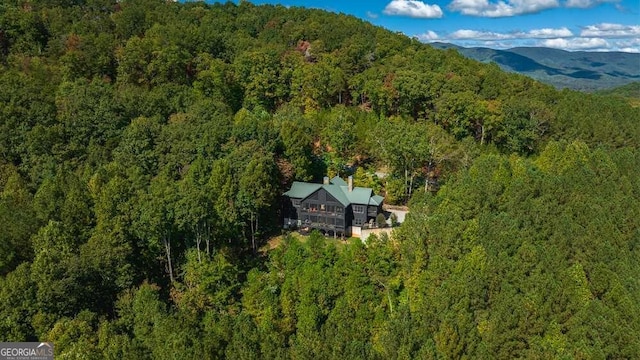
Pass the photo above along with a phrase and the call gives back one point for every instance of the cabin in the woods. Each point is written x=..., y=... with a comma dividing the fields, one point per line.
x=335, y=207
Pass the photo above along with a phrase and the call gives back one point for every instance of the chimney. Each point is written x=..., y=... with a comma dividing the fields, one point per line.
x=350, y=183
x=325, y=180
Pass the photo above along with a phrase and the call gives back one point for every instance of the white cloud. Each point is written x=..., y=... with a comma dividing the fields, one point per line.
x=583, y=4
x=546, y=33
x=485, y=8
x=629, y=42
x=497, y=44
x=465, y=34
x=599, y=37
x=621, y=8
x=372, y=15
x=576, y=43
x=549, y=33
x=627, y=45
x=412, y=8
x=504, y=8
x=428, y=36
x=611, y=30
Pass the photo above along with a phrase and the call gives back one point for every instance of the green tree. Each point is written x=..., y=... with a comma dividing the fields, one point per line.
x=18, y=215
x=137, y=146
x=156, y=223
x=90, y=118
x=18, y=304
x=224, y=188
x=297, y=140
x=258, y=72
x=256, y=191
x=194, y=208
x=404, y=149
x=57, y=271
x=209, y=284
x=75, y=337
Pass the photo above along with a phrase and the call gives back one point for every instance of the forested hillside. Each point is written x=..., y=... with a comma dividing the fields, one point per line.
x=589, y=71
x=145, y=145
x=631, y=92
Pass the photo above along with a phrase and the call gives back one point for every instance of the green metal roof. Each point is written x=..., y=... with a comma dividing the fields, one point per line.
x=376, y=200
x=340, y=192
x=337, y=193
x=301, y=190
x=358, y=195
x=337, y=180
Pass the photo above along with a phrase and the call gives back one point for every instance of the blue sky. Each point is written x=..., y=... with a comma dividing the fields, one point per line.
x=593, y=25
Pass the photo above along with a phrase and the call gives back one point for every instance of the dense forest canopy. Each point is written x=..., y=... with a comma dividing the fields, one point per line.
x=145, y=145
x=630, y=91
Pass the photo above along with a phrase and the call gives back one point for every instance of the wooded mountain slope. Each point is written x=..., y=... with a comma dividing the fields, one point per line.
x=578, y=70
x=144, y=146
x=631, y=92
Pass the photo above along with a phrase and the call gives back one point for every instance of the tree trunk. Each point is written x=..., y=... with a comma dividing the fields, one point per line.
x=208, y=238
x=411, y=184
x=253, y=233
x=388, y=295
x=167, y=247
x=428, y=177
x=198, y=241
x=390, y=302
x=406, y=181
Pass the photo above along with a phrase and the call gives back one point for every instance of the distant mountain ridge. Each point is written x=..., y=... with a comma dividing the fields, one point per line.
x=581, y=70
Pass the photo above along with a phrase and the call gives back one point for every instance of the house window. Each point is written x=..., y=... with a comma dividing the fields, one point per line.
x=313, y=207
x=331, y=208
x=305, y=206
x=313, y=218
x=296, y=202
x=338, y=209
x=322, y=207
x=340, y=222
x=357, y=222
x=358, y=209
